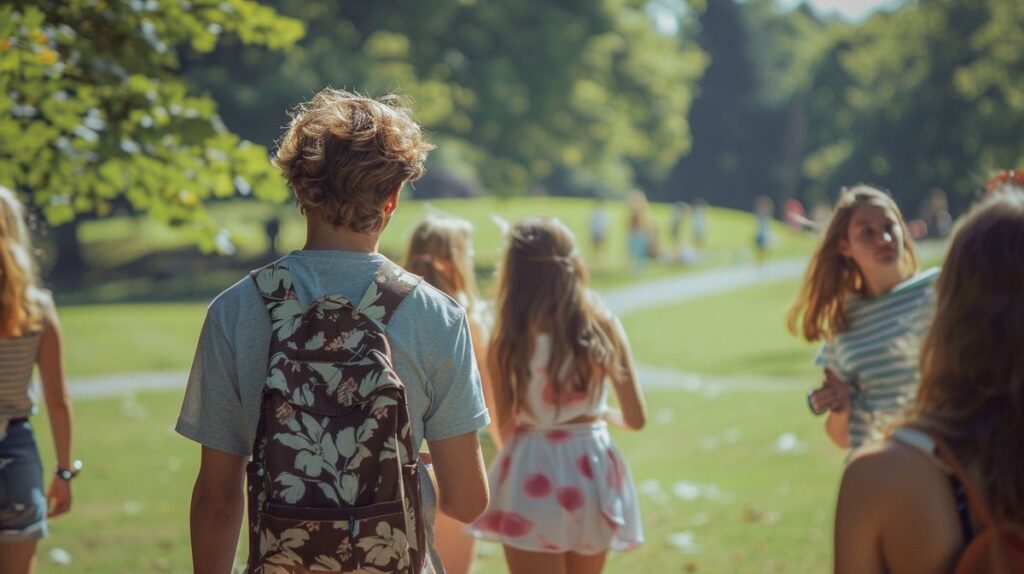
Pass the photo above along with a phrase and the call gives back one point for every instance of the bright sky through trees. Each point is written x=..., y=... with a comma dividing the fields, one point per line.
x=848, y=9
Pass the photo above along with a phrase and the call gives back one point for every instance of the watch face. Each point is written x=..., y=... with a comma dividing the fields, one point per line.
x=65, y=474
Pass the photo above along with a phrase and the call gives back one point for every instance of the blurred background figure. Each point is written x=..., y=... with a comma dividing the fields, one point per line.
x=763, y=233
x=679, y=251
x=794, y=215
x=935, y=214
x=599, y=223
x=640, y=240
x=272, y=229
x=700, y=225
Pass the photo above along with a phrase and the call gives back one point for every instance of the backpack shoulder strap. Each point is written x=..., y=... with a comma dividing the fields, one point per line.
x=976, y=504
x=924, y=442
x=274, y=283
x=386, y=292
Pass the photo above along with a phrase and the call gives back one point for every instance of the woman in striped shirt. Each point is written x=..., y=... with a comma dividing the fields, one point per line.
x=864, y=297
x=29, y=336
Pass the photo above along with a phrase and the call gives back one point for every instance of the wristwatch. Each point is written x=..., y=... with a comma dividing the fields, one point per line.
x=69, y=473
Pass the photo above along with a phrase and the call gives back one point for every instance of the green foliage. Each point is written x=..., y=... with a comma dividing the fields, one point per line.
x=94, y=114
x=748, y=120
x=931, y=95
x=510, y=90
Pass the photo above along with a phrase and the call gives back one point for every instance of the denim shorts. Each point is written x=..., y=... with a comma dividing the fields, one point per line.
x=22, y=498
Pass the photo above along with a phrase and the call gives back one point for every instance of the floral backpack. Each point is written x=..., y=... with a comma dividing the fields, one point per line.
x=333, y=485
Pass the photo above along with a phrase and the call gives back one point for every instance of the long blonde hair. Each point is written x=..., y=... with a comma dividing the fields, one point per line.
x=19, y=307
x=542, y=286
x=441, y=251
x=820, y=308
x=972, y=360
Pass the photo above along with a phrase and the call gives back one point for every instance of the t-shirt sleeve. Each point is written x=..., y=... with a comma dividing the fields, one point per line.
x=457, y=406
x=211, y=412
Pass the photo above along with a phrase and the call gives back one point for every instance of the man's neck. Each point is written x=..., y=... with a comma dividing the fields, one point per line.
x=322, y=236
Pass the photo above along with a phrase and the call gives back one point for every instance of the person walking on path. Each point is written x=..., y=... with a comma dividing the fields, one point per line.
x=863, y=295
x=30, y=337
x=562, y=494
x=346, y=158
x=945, y=493
x=441, y=251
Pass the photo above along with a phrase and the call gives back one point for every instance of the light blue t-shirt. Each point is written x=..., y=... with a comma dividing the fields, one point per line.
x=877, y=355
x=430, y=345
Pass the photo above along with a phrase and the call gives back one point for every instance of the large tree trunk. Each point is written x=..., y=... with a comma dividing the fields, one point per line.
x=70, y=264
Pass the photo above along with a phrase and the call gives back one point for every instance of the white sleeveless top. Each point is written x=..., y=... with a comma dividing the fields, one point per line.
x=541, y=407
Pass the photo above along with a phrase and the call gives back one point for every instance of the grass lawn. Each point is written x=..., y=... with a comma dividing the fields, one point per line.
x=130, y=337
x=737, y=333
x=771, y=511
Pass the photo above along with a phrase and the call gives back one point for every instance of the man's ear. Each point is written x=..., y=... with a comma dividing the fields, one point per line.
x=391, y=203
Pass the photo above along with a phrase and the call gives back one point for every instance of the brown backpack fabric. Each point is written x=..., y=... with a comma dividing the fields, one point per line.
x=333, y=485
x=995, y=548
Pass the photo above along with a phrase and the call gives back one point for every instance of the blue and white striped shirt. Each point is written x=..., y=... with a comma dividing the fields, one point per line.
x=877, y=355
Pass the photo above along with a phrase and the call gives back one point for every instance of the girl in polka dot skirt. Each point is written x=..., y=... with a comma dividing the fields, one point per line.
x=561, y=493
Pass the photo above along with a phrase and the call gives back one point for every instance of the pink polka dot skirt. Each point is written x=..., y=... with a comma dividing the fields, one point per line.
x=561, y=489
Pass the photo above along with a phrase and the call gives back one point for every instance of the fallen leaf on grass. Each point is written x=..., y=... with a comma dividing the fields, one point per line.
x=789, y=443
x=752, y=515
x=60, y=556
x=685, y=542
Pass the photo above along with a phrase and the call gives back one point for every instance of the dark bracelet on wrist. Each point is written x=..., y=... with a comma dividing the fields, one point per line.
x=69, y=473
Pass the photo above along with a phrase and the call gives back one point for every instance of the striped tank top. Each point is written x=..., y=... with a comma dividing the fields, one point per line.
x=877, y=355
x=17, y=359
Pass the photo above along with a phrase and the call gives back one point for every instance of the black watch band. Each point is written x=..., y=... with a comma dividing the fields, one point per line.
x=69, y=473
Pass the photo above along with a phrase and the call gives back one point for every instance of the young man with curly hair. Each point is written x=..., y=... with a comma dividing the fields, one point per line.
x=346, y=158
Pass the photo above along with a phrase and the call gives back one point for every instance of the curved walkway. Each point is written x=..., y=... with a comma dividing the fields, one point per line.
x=622, y=301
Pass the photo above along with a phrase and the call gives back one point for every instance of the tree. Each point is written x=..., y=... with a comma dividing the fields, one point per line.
x=931, y=95
x=511, y=90
x=748, y=119
x=95, y=115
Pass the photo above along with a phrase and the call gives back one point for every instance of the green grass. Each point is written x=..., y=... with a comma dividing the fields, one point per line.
x=131, y=502
x=130, y=508
x=737, y=333
x=128, y=338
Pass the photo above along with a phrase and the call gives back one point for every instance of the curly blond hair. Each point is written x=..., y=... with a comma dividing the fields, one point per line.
x=344, y=154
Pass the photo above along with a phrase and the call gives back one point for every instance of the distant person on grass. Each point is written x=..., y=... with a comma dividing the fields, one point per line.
x=29, y=337
x=599, y=225
x=346, y=159
x=441, y=251
x=862, y=294
x=946, y=492
x=562, y=495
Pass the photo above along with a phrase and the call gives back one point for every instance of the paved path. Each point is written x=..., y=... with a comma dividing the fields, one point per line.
x=685, y=287
x=622, y=301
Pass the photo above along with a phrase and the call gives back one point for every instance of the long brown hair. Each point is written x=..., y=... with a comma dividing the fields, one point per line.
x=19, y=306
x=441, y=251
x=972, y=360
x=542, y=286
x=820, y=308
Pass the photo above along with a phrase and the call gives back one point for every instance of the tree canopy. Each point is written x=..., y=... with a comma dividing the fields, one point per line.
x=931, y=95
x=512, y=90
x=95, y=114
